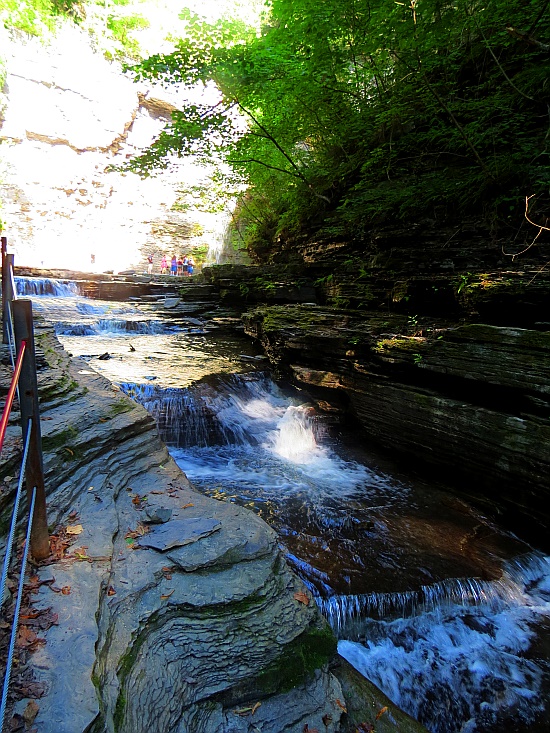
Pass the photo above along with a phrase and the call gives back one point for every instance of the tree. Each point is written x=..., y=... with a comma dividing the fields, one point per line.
x=359, y=111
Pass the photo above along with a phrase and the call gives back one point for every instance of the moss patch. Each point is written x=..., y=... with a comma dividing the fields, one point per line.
x=59, y=440
x=310, y=651
x=120, y=406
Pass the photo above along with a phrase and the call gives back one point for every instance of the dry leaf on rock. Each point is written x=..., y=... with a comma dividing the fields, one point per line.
x=111, y=591
x=74, y=529
x=164, y=596
x=66, y=590
x=381, y=712
x=30, y=712
x=341, y=705
x=25, y=637
x=186, y=506
x=302, y=598
x=248, y=710
x=139, y=531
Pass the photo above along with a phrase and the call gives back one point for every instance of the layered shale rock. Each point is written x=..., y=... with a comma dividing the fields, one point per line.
x=472, y=401
x=177, y=610
x=68, y=120
x=173, y=612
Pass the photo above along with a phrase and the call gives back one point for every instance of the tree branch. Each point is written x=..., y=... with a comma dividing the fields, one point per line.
x=526, y=38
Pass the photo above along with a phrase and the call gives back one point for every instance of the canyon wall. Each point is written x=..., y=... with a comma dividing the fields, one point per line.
x=68, y=116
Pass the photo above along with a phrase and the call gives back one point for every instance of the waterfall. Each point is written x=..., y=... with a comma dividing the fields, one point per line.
x=461, y=662
x=45, y=286
x=348, y=614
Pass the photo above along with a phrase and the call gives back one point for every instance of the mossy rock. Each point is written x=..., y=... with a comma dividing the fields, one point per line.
x=310, y=651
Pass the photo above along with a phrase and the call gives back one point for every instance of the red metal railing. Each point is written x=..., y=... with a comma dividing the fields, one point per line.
x=11, y=392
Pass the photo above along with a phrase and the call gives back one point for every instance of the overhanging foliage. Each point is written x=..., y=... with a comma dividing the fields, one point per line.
x=361, y=111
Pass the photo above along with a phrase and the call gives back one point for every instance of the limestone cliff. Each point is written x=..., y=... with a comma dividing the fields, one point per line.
x=68, y=117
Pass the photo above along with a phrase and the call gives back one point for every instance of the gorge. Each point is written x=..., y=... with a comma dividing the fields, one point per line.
x=342, y=441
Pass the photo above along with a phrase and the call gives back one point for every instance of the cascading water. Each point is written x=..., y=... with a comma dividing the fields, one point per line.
x=453, y=652
x=29, y=286
x=444, y=611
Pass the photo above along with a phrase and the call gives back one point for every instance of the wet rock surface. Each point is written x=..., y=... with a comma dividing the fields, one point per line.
x=213, y=635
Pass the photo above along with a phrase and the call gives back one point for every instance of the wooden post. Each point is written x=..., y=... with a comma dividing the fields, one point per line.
x=6, y=289
x=28, y=395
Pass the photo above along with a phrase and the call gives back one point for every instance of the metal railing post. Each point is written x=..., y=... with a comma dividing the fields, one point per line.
x=28, y=397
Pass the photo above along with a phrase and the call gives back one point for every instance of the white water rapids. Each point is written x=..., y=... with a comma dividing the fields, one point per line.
x=448, y=613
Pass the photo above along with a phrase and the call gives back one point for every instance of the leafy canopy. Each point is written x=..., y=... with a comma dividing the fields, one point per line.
x=358, y=111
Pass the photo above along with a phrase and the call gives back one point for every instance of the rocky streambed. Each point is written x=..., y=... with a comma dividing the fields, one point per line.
x=167, y=610
x=430, y=597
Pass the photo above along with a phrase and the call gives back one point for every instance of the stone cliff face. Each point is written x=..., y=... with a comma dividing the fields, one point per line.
x=68, y=116
x=459, y=385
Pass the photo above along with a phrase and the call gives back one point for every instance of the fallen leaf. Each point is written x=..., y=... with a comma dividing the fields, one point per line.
x=25, y=637
x=243, y=711
x=69, y=450
x=341, y=705
x=66, y=590
x=255, y=707
x=82, y=556
x=302, y=598
x=139, y=531
x=111, y=591
x=186, y=506
x=381, y=712
x=164, y=596
x=30, y=712
x=74, y=529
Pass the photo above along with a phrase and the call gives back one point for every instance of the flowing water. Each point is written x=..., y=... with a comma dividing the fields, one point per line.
x=445, y=611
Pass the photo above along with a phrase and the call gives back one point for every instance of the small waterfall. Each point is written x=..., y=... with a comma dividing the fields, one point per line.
x=112, y=327
x=29, y=286
x=239, y=411
x=461, y=662
x=347, y=614
x=124, y=326
x=182, y=420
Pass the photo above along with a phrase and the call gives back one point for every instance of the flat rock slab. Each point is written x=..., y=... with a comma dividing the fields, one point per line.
x=179, y=532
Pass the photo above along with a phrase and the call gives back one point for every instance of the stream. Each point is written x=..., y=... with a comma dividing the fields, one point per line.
x=445, y=611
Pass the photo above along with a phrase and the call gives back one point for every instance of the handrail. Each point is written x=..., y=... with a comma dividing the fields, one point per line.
x=15, y=624
x=11, y=392
x=18, y=333
x=11, y=535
